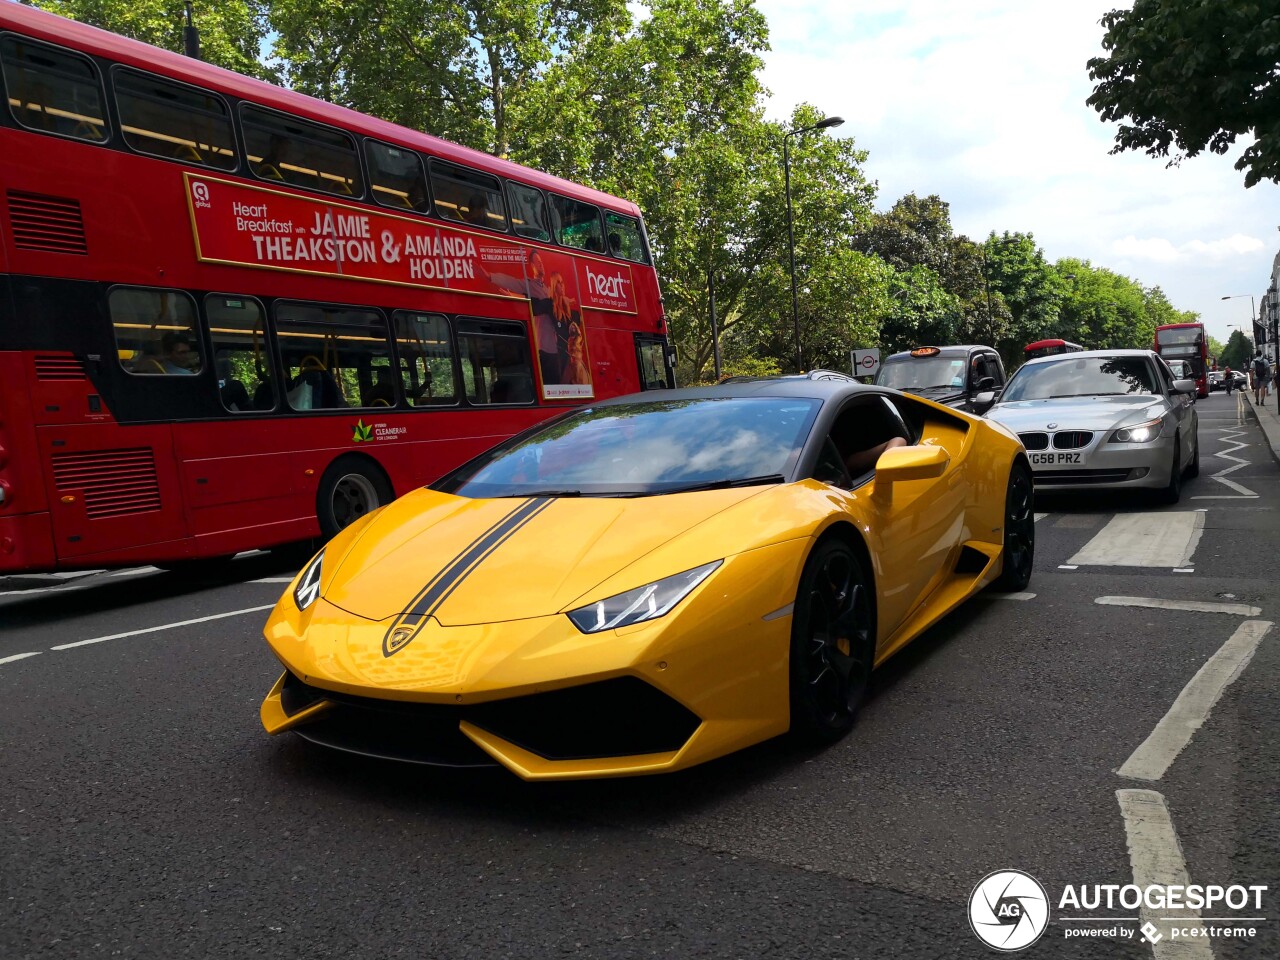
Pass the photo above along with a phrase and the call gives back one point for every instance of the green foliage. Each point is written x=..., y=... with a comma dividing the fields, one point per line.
x=1237, y=353
x=231, y=31
x=1193, y=75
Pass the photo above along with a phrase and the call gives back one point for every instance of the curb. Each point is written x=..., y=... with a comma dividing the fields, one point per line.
x=1268, y=420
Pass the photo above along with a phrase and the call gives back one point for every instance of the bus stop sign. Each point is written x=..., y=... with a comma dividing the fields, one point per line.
x=866, y=363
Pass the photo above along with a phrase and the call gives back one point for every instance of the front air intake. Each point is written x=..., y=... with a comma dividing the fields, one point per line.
x=47, y=224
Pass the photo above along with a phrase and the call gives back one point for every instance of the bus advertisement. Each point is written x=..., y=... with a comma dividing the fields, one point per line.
x=1187, y=342
x=234, y=317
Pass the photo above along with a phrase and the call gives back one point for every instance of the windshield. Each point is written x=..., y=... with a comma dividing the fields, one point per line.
x=1080, y=377
x=921, y=373
x=640, y=448
x=1179, y=336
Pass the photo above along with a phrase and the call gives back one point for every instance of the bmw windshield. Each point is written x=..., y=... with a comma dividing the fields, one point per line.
x=633, y=449
x=1074, y=376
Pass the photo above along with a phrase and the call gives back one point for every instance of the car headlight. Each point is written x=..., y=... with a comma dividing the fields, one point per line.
x=308, y=588
x=1139, y=432
x=649, y=602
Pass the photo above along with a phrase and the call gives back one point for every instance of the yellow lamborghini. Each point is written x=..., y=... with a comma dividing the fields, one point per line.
x=653, y=581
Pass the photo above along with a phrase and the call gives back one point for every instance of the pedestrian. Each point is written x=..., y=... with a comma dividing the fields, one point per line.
x=1228, y=379
x=1261, y=371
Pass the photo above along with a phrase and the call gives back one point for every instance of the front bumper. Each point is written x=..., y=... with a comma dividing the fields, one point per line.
x=542, y=699
x=1104, y=466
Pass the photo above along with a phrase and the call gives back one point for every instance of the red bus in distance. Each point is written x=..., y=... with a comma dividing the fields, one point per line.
x=1049, y=348
x=1186, y=341
x=233, y=317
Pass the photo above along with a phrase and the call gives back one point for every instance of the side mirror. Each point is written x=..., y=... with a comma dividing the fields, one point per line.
x=982, y=402
x=1184, y=386
x=909, y=463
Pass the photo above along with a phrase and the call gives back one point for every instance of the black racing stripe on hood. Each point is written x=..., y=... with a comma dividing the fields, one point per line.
x=442, y=585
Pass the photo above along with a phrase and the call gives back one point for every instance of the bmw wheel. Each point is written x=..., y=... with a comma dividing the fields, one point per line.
x=1019, y=532
x=832, y=643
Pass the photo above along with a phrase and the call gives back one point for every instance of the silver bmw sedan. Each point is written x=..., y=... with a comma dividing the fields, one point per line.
x=1104, y=419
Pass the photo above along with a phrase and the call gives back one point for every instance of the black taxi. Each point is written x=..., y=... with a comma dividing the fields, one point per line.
x=968, y=377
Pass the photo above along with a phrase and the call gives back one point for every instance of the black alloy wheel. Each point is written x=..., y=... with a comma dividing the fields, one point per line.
x=1019, y=532
x=832, y=643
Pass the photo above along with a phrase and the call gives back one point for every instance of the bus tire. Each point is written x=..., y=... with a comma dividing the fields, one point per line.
x=352, y=487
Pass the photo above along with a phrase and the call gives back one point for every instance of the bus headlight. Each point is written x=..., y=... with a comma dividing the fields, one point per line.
x=308, y=589
x=1139, y=432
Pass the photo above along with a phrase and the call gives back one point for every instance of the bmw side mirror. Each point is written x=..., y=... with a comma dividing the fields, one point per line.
x=982, y=402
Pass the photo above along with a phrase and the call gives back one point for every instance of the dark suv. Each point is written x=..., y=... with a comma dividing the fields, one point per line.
x=968, y=378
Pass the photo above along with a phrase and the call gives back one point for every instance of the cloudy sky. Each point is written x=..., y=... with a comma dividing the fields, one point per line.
x=983, y=104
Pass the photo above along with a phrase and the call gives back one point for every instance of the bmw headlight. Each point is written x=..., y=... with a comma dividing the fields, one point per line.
x=649, y=602
x=1139, y=432
x=308, y=588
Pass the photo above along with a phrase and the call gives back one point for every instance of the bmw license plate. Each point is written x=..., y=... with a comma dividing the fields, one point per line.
x=1051, y=459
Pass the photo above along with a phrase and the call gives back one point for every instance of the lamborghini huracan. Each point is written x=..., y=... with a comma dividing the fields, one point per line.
x=646, y=583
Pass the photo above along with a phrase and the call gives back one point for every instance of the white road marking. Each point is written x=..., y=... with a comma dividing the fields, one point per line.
x=273, y=580
x=1067, y=566
x=1040, y=516
x=133, y=570
x=1242, y=492
x=1174, y=731
x=19, y=656
x=1184, y=569
x=1010, y=596
x=1195, y=606
x=164, y=626
x=1144, y=540
x=1156, y=858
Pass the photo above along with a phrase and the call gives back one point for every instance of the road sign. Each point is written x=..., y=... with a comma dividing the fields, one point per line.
x=866, y=363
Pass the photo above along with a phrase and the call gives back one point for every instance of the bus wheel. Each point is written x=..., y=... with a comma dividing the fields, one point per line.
x=350, y=488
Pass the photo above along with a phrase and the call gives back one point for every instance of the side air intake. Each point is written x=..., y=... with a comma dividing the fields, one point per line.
x=47, y=224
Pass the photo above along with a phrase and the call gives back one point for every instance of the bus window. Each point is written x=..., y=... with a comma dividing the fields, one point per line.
x=155, y=331
x=576, y=224
x=528, y=211
x=426, y=357
x=240, y=354
x=466, y=195
x=305, y=154
x=53, y=90
x=174, y=121
x=334, y=356
x=625, y=239
x=495, y=361
x=396, y=176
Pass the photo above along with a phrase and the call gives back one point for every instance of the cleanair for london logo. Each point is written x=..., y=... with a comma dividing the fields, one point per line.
x=1008, y=910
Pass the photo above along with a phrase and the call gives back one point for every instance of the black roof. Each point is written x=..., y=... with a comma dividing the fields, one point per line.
x=952, y=350
x=824, y=390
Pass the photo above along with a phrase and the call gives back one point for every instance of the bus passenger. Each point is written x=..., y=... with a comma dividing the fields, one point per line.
x=176, y=355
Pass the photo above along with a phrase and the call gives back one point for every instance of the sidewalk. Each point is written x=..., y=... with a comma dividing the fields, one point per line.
x=1268, y=419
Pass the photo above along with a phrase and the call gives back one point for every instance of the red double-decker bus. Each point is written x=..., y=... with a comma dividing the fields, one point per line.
x=1186, y=341
x=233, y=317
x=1049, y=348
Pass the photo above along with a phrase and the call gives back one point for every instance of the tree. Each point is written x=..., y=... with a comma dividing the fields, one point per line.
x=1237, y=352
x=454, y=68
x=913, y=232
x=1195, y=75
x=1016, y=268
x=231, y=31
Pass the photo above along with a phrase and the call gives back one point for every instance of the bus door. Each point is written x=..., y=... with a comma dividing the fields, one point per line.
x=653, y=361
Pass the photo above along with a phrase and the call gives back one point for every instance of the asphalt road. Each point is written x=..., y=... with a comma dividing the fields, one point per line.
x=144, y=813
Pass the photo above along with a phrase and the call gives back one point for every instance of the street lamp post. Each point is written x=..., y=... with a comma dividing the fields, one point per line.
x=1253, y=313
x=791, y=235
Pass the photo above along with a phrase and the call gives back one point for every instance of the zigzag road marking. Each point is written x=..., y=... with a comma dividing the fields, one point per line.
x=1241, y=491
